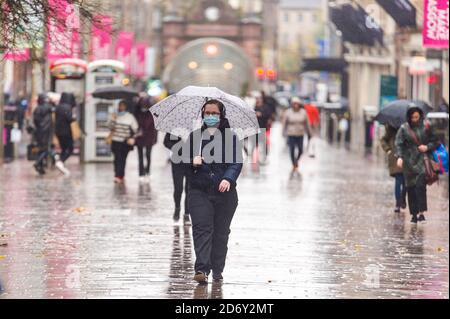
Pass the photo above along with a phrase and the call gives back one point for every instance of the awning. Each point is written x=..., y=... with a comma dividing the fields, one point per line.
x=333, y=65
x=356, y=25
x=344, y=25
x=402, y=11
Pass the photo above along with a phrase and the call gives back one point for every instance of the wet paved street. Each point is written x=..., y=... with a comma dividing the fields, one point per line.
x=329, y=234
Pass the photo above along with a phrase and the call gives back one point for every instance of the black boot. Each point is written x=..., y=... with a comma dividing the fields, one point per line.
x=39, y=169
x=421, y=218
x=397, y=206
x=403, y=203
x=176, y=214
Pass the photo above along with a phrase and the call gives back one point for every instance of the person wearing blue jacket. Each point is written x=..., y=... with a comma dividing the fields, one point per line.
x=215, y=164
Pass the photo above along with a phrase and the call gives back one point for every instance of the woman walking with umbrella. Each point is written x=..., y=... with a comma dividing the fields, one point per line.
x=415, y=139
x=213, y=197
x=214, y=158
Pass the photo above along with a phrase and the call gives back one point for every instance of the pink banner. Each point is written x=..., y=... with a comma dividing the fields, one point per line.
x=124, y=44
x=138, y=68
x=63, y=37
x=101, y=41
x=18, y=55
x=435, y=24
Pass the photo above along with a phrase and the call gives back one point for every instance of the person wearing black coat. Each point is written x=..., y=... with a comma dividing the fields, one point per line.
x=264, y=116
x=10, y=117
x=179, y=175
x=212, y=197
x=147, y=136
x=63, y=131
x=42, y=119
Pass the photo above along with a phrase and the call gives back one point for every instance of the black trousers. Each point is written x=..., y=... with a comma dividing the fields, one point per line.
x=295, y=142
x=417, y=198
x=66, y=144
x=180, y=182
x=9, y=146
x=120, y=151
x=42, y=156
x=144, y=169
x=211, y=215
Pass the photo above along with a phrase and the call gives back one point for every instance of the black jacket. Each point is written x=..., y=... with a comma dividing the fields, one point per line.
x=266, y=115
x=225, y=166
x=42, y=119
x=64, y=115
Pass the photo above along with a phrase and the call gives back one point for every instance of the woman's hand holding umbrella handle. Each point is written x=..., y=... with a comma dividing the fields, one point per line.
x=198, y=161
x=423, y=148
x=224, y=186
x=400, y=163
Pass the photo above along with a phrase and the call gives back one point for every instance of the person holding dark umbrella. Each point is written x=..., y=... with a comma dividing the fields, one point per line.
x=415, y=138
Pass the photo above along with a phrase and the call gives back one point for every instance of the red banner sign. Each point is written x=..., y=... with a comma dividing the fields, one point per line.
x=124, y=45
x=63, y=25
x=435, y=24
x=101, y=40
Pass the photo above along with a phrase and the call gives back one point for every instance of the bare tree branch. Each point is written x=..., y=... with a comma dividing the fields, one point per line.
x=23, y=22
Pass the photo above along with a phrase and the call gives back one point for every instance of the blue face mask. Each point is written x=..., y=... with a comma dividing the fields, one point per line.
x=122, y=113
x=211, y=120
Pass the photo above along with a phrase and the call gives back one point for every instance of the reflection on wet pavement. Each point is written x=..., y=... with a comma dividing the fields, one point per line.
x=329, y=233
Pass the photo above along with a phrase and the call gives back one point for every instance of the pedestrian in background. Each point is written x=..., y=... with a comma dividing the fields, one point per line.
x=180, y=172
x=296, y=124
x=314, y=121
x=263, y=114
x=63, y=119
x=411, y=159
x=10, y=117
x=388, y=145
x=146, y=138
x=270, y=104
x=124, y=128
x=42, y=120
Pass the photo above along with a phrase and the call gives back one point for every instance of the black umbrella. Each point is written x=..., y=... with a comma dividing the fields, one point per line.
x=394, y=114
x=115, y=93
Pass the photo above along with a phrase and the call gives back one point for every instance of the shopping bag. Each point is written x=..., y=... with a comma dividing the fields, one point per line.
x=440, y=156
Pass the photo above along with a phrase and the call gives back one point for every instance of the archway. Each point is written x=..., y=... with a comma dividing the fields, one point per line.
x=210, y=62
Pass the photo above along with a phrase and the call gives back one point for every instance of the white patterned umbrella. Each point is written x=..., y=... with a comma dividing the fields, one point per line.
x=180, y=113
